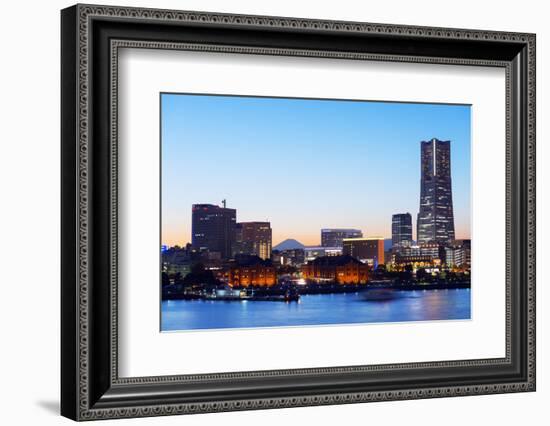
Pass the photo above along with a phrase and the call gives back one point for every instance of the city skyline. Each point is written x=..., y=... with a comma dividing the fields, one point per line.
x=304, y=165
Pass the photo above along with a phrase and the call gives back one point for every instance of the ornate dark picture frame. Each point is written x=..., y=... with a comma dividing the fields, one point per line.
x=91, y=37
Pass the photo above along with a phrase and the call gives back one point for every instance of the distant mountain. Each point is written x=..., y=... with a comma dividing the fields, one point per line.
x=289, y=244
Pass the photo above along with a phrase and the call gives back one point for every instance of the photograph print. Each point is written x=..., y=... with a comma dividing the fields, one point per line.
x=295, y=212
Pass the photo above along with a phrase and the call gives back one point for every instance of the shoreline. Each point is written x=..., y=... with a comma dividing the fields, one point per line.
x=277, y=293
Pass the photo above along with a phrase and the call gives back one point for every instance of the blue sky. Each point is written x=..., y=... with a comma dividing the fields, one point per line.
x=305, y=164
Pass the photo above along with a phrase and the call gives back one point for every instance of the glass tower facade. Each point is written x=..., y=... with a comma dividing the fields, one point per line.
x=213, y=229
x=435, y=218
x=253, y=238
x=401, y=230
x=333, y=237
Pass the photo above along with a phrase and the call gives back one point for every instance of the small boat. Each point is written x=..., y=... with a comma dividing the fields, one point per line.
x=228, y=295
x=379, y=295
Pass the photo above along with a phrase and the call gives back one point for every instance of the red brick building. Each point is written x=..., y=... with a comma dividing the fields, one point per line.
x=340, y=269
x=244, y=276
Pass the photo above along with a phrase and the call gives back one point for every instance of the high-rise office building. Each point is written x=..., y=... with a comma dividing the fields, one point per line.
x=213, y=228
x=435, y=218
x=253, y=238
x=367, y=250
x=332, y=237
x=401, y=230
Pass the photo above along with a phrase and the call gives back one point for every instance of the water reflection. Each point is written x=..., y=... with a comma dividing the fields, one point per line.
x=353, y=308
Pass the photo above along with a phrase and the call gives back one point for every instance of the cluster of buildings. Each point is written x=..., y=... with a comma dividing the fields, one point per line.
x=436, y=246
x=215, y=231
x=241, y=253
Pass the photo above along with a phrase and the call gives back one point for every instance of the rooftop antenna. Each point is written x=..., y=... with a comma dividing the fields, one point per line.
x=224, y=203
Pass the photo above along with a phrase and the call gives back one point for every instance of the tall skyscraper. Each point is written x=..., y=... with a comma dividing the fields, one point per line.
x=435, y=217
x=253, y=238
x=401, y=230
x=213, y=228
x=333, y=237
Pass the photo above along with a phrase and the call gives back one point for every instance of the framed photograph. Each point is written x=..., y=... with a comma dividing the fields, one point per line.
x=263, y=212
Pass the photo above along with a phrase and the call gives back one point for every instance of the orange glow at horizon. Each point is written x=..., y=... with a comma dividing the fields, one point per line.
x=171, y=237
